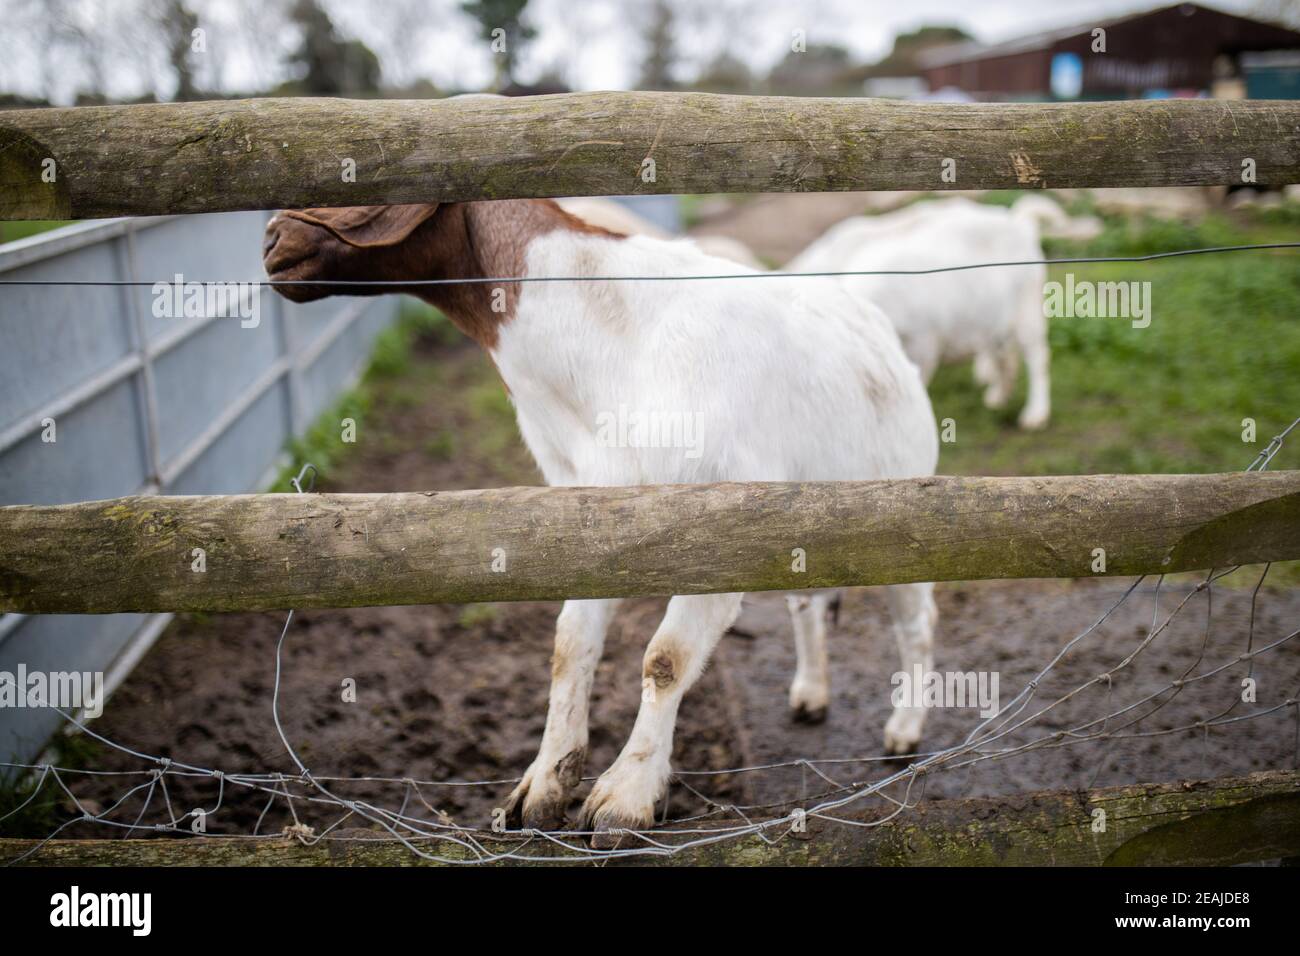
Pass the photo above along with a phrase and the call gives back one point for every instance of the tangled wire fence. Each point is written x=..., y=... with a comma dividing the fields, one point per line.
x=429, y=834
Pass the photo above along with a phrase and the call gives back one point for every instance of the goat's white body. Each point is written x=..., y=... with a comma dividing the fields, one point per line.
x=780, y=384
x=992, y=315
x=778, y=393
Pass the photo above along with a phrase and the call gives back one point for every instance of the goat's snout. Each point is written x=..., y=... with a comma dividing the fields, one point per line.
x=292, y=253
x=286, y=245
x=271, y=236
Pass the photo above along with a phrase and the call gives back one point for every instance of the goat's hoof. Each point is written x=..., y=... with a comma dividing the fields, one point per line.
x=611, y=830
x=540, y=815
x=608, y=822
x=614, y=838
x=808, y=701
x=903, y=733
x=526, y=809
x=802, y=713
x=545, y=814
x=901, y=749
x=902, y=757
x=514, y=805
x=1032, y=421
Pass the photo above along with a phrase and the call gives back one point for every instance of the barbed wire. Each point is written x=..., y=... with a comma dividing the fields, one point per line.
x=424, y=837
x=774, y=274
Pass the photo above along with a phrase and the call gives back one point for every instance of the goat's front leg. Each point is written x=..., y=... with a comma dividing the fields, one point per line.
x=914, y=612
x=541, y=797
x=625, y=795
x=810, y=693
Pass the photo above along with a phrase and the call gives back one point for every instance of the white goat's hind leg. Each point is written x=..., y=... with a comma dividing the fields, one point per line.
x=1038, y=405
x=985, y=367
x=625, y=795
x=1000, y=364
x=811, y=690
x=541, y=797
x=925, y=352
x=912, y=607
x=1032, y=337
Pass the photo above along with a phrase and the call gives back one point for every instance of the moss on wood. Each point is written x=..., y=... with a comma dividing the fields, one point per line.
x=1202, y=823
x=152, y=159
x=267, y=552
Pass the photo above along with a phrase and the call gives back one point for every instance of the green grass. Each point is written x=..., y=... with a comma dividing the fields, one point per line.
x=494, y=418
x=389, y=365
x=688, y=207
x=322, y=444
x=50, y=806
x=1223, y=345
x=442, y=446
x=472, y=615
x=9, y=231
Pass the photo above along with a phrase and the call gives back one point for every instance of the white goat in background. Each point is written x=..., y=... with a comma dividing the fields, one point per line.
x=825, y=394
x=993, y=315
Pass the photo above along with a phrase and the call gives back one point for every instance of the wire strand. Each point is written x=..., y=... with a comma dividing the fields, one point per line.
x=502, y=280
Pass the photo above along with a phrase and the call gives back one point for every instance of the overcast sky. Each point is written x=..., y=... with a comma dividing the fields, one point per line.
x=591, y=44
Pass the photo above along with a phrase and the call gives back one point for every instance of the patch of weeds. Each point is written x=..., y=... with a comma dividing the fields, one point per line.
x=322, y=444
x=386, y=373
x=442, y=446
x=43, y=812
x=495, y=429
x=472, y=615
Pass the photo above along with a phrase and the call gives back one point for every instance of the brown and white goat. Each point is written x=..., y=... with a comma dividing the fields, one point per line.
x=767, y=392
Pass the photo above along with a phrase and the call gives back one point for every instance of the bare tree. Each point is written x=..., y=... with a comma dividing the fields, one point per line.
x=661, y=50
x=177, y=23
x=501, y=22
x=330, y=64
x=265, y=41
x=401, y=36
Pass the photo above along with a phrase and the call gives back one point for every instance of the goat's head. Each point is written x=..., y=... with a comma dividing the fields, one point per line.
x=464, y=243
x=354, y=243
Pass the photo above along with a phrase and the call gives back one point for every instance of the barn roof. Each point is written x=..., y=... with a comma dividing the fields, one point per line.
x=973, y=50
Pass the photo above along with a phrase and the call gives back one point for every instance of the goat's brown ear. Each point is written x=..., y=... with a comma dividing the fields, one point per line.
x=368, y=227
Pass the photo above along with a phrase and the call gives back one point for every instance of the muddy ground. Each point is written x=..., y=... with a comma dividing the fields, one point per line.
x=451, y=693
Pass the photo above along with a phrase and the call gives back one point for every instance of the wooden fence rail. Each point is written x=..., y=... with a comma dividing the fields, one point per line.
x=262, y=552
x=155, y=159
x=1220, y=822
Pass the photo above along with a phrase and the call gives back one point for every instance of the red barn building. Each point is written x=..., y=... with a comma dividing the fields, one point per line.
x=1180, y=50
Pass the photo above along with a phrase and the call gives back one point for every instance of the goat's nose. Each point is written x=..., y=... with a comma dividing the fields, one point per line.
x=271, y=237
